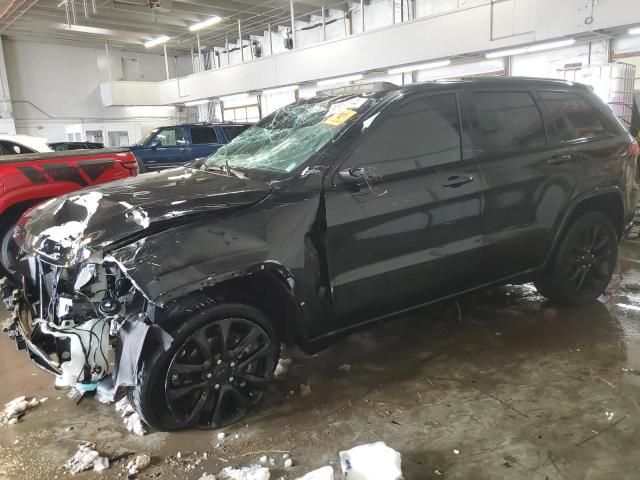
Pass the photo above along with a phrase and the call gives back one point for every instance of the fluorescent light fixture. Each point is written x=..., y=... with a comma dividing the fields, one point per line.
x=334, y=81
x=204, y=24
x=231, y=98
x=290, y=88
x=532, y=48
x=422, y=66
x=156, y=41
x=85, y=29
x=634, y=31
x=196, y=103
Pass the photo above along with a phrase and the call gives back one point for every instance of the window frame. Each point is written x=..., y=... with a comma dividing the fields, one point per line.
x=385, y=111
x=554, y=140
x=210, y=127
x=472, y=114
x=173, y=127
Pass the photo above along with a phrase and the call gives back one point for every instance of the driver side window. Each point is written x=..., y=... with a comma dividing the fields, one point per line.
x=422, y=133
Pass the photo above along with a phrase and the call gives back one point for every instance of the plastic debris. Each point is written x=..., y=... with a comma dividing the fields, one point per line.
x=282, y=368
x=16, y=408
x=305, y=389
x=86, y=458
x=252, y=472
x=131, y=419
x=374, y=461
x=138, y=464
x=324, y=473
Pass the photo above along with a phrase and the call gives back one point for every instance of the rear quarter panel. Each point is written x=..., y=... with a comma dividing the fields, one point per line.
x=33, y=177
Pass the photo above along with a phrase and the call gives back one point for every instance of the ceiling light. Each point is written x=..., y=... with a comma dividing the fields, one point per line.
x=422, y=66
x=634, y=31
x=532, y=48
x=231, y=98
x=333, y=81
x=85, y=29
x=204, y=24
x=196, y=102
x=290, y=88
x=156, y=41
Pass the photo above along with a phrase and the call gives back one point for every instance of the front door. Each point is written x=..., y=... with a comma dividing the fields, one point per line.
x=409, y=232
x=170, y=147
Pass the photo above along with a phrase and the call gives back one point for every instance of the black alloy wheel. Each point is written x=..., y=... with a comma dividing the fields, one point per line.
x=9, y=253
x=583, y=263
x=219, y=373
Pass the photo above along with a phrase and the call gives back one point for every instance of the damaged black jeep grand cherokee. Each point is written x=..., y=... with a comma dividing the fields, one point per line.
x=329, y=214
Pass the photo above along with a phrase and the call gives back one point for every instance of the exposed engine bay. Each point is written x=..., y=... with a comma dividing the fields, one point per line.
x=70, y=317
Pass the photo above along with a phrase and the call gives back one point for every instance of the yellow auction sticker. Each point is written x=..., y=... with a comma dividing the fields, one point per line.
x=340, y=117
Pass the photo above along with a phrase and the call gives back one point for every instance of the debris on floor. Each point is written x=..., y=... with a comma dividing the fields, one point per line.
x=252, y=472
x=373, y=461
x=138, y=464
x=221, y=436
x=16, y=408
x=305, y=389
x=207, y=476
x=324, y=473
x=130, y=417
x=286, y=458
x=187, y=461
x=282, y=368
x=345, y=367
x=86, y=458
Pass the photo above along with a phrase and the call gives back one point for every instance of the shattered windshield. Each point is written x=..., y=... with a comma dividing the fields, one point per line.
x=291, y=135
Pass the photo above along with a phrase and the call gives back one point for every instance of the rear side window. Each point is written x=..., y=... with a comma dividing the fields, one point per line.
x=506, y=122
x=200, y=135
x=12, y=148
x=232, y=131
x=571, y=117
x=424, y=132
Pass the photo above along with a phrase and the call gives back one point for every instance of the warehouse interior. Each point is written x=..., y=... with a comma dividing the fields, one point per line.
x=492, y=382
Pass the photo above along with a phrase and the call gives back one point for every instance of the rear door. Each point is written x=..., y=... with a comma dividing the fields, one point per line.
x=520, y=187
x=169, y=147
x=410, y=233
x=204, y=141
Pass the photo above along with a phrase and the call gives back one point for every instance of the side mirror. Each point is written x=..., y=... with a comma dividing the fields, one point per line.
x=353, y=176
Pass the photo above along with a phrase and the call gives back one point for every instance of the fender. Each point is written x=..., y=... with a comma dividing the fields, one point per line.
x=575, y=203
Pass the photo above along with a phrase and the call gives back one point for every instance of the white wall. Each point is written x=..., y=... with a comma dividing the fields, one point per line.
x=57, y=85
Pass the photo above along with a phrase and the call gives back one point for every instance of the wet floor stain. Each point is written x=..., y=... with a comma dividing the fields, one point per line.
x=500, y=384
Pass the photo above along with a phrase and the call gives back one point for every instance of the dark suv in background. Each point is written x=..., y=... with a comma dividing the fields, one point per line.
x=330, y=214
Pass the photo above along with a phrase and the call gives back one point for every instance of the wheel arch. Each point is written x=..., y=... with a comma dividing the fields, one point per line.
x=609, y=201
x=12, y=213
x=269, y=286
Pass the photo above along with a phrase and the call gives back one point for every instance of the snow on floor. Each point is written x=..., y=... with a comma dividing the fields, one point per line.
x=253, y=472
x=324, y=473
x=86, y=458
x=129, y=416
x=16, y=408
x=373, y=461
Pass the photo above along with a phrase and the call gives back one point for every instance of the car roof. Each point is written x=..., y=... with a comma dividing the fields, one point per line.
x=491, y=82
x=38, y=144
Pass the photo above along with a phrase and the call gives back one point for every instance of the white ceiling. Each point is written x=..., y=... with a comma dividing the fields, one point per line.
x=129, y=23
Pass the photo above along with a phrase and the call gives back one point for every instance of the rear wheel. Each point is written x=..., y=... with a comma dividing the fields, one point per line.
x=584, y=262
x=216, y=371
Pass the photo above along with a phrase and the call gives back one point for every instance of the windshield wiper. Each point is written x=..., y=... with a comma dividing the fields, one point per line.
x=225, y=170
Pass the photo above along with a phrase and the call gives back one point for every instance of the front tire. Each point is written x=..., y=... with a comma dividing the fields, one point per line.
x=216, y=371
x=9, y=252
x=584, y=262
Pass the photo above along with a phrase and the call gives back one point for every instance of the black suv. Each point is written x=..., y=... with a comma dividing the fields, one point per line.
x=330, y=214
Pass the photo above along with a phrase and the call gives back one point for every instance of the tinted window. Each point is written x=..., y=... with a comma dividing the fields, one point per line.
x=11, y=148
x=422, y=133
x=506, y=122
x=170, y=137
x=233, y=131
x=201, y=135
x=571, y=117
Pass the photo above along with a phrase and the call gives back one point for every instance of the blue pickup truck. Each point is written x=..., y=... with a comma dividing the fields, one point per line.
x=177, y=144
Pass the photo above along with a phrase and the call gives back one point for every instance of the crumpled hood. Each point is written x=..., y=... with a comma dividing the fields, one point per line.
x=68, y=229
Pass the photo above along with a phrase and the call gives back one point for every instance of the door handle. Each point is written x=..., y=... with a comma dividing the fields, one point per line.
x=457, y=181
x=183, y=149
x=559, y=159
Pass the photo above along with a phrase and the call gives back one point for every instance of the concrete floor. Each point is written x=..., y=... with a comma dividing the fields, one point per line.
x=522, y=389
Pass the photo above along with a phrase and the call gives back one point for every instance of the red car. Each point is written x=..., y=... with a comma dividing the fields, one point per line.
x=26, y=180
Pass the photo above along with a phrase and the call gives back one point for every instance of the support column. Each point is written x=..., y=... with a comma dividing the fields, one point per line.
x=108, y=52
x=166, y=60
x=240, y=38
x=293, y=25
x=324, y=25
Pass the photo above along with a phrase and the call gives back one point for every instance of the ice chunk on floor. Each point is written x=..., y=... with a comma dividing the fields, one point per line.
x=252, y=472
x=324, y=473
x=17, y=407
x=207, y=476
x=373, y=461
x=86, y=458
x=130, y=418
x=282, y=368
x=138, y=464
